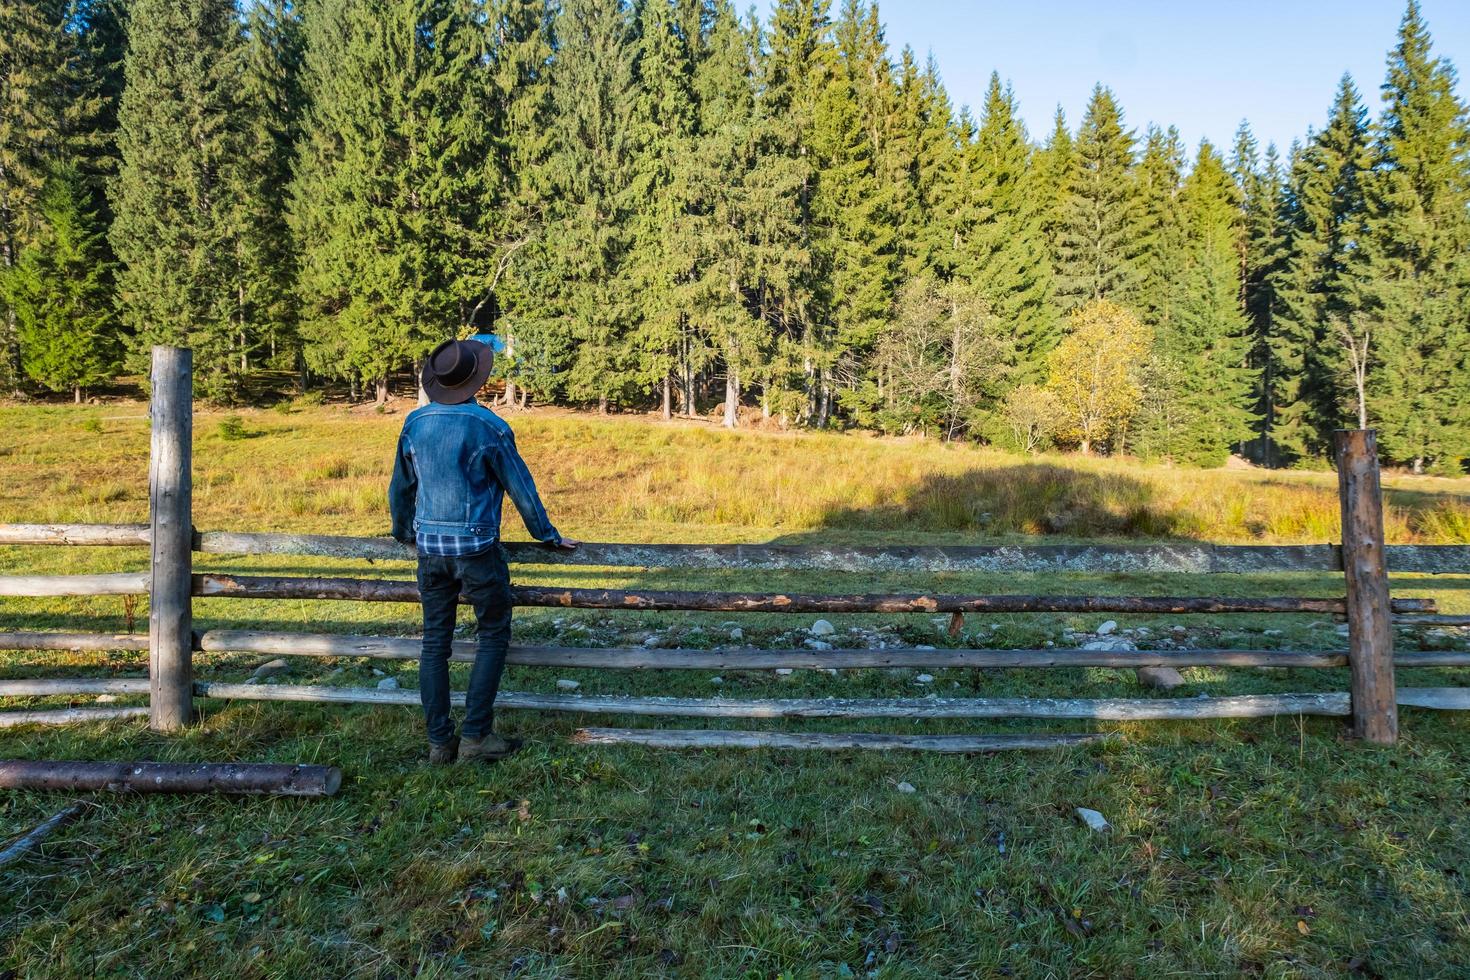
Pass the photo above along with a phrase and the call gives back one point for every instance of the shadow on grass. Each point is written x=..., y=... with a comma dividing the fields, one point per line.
x=1033, y=498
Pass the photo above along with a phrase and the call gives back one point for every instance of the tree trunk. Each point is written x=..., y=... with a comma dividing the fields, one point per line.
x=77, y=395
x=668, y=399
x=691, y=405
x=601, y=404
x=382, y=390
x=732, y=398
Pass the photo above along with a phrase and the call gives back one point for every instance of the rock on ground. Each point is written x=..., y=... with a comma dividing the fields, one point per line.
x=1106, y=628
x=823, y=628
x=1093, y=819
x=388, y=684
x=1115, y=644
x=271, y=667
x=564, y=684
x=1159, y=678
x=905, y=788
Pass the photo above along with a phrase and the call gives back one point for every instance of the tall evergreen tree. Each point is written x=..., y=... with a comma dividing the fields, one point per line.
x=661, y=251
x=1207, y=335
x=1413, y=264
x=270, y=108
x=390, y=184
x=61, y=291
x=1262, y=189
x=1160, y=228
x=520, y=135
x=179, y=128
x=40, y=85
x=1323, y=209
x=1099, y=242
x=735, y=209
x=1053, y=175
x=799, y=62
x=1006, y=251
x=853, y=226
x=590, y=175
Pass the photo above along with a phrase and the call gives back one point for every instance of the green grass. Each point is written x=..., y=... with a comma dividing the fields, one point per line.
x=1267, y=847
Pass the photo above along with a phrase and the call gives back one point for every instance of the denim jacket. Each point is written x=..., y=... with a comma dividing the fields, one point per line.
x=454, y=465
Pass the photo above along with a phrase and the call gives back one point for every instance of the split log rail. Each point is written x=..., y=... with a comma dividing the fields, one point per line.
x=171, y=583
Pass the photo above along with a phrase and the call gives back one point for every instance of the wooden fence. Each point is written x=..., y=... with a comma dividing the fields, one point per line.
x=1372, y=703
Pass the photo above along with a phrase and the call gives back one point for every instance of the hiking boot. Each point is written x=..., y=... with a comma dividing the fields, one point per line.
x=488, y=749
x=443, y=753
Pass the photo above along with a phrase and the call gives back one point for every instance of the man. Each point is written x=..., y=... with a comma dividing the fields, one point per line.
x=456, y=461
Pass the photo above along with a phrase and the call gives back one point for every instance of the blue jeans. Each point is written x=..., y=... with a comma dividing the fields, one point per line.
x=485, y=580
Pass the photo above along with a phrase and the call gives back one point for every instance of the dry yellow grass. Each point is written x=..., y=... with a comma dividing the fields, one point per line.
x=325, y=469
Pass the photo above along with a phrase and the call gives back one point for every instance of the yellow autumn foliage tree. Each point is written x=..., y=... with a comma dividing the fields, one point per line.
x=1094, y=373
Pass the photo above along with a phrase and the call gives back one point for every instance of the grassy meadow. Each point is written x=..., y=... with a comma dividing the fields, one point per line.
x=1269, y=847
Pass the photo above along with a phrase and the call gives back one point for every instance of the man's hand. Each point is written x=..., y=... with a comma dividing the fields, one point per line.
x=565, y=544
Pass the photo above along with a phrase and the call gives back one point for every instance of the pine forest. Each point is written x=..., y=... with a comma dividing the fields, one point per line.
x=677, y=206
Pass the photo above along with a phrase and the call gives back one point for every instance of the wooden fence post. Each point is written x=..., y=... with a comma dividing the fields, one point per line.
x=171, y=519
x=1370, y=619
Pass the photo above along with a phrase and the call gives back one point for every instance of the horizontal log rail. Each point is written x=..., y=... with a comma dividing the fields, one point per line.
x=81, y=535
x=1432, y=620
x=1119, y=709
x=1192, y=558
x=407, y=648
x=117, y=583
x=385, y=590
x=19, y=640
x=235, y=778
x=68, y=716
x=52, y=686
x=828, y=741
x=645, y=658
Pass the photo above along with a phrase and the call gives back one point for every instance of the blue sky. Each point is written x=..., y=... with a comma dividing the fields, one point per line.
x=1202, y=66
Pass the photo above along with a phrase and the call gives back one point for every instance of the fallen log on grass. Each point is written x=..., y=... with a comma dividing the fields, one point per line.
x=243, y=778
x=388, y=590
x=703, y=739
x=37, y=834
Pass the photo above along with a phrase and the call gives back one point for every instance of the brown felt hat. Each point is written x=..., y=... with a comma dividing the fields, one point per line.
x=456, y=369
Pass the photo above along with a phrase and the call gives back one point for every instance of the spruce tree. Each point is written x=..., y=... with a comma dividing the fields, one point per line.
x=179, y=127
x=61, y=291
x=661, y=201
x=33, y=105
x=735, y=211
x=853, y=233
x=1006, y=253
x=1208, y=336
x=520, y=143
x=799, y=63
x=1262, y=189
x=590, y=175
x=1053, y=175
x=1099, y=241
x=1322, y=212
x=1159, y=225
x=270, y=108
x=1412, y=268
x=390, y=184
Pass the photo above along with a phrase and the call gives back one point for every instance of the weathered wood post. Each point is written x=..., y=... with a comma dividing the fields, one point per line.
x=171, y=521
x=1370, y=617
